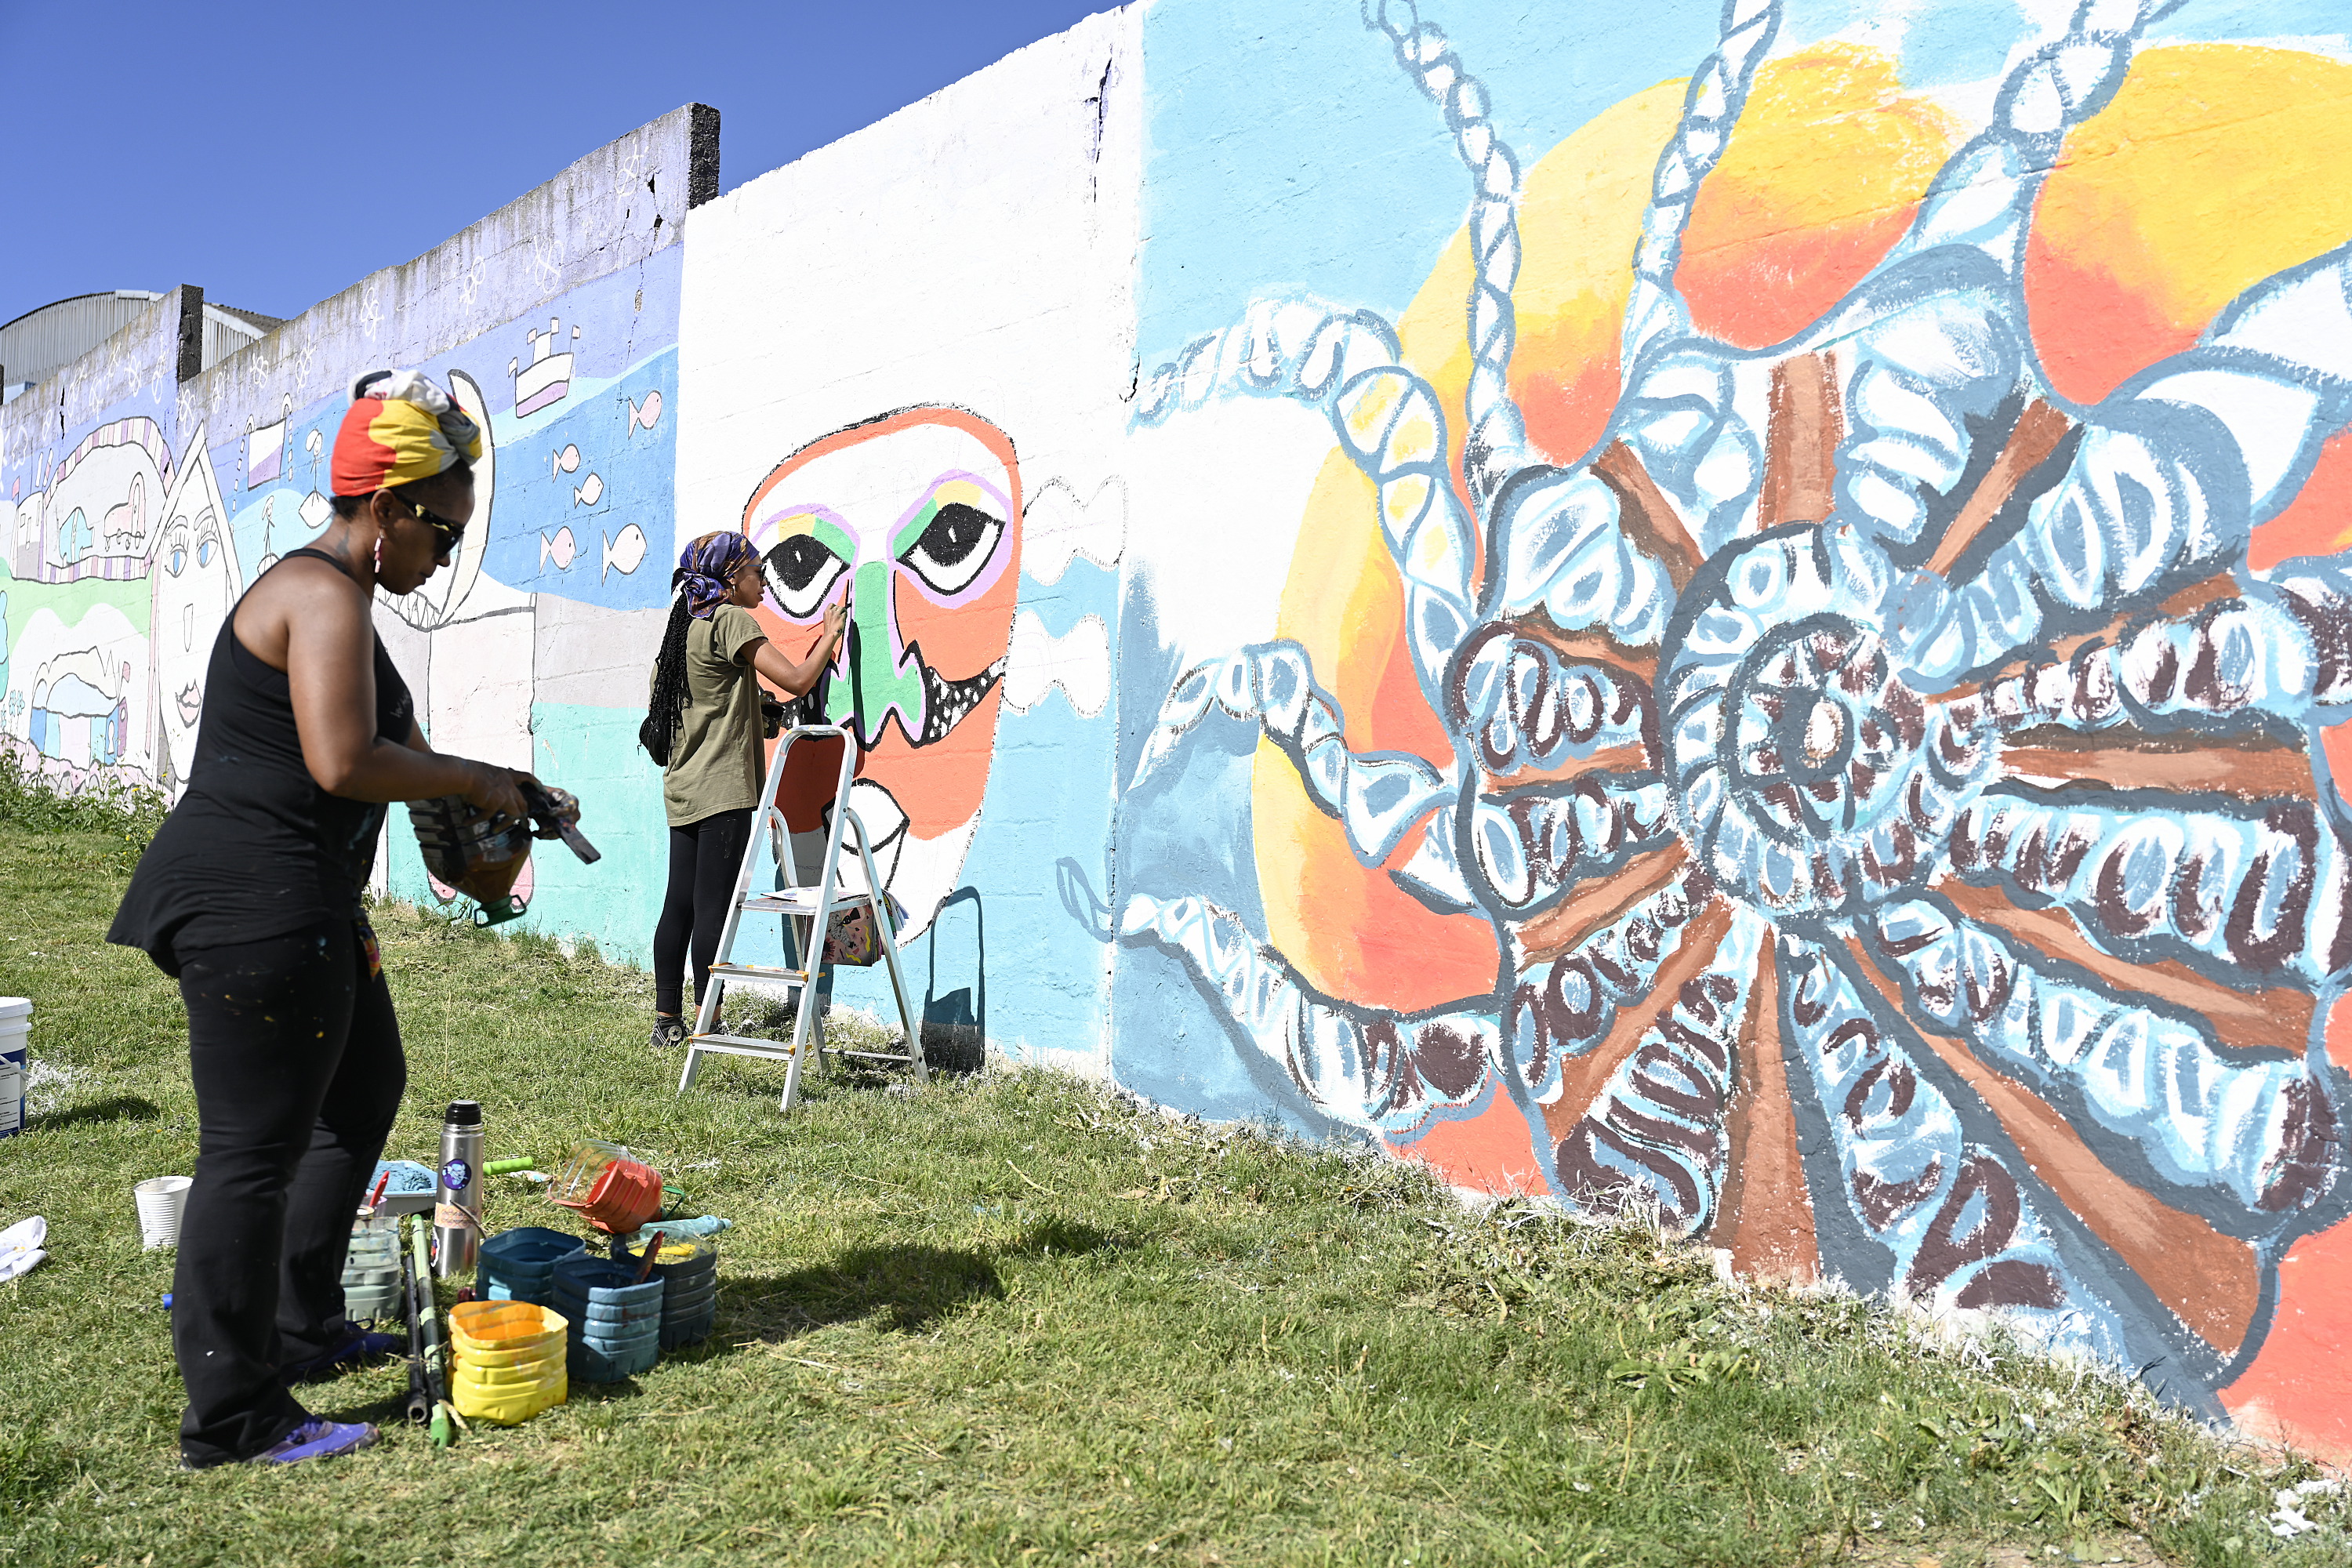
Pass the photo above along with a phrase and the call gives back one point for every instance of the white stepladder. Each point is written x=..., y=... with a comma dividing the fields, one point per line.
x=812, y=905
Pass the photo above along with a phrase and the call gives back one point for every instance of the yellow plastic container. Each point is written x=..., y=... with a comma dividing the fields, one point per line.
x=503, y=1406
x=500, y=1333
x=543, y=1370
x=509, y=1360
x=503, y=1325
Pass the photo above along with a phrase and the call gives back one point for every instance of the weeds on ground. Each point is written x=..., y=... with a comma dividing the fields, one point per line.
x=1016, y=1319
x=125, y=814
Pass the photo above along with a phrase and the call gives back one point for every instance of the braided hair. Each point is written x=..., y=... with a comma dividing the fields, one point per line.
x=699, y=587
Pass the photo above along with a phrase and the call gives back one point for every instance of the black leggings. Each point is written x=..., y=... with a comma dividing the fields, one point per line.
x=296, y=1057
x=703, y=860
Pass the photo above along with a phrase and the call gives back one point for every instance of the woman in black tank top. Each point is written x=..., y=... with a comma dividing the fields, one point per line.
x=251, y=897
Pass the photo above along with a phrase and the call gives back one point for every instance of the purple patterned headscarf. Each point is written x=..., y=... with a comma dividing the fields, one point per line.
x=707, y=568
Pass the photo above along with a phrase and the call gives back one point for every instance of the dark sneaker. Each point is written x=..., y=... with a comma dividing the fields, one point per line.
x=357, y=1349
x=669, y=1034
x=318, y=1439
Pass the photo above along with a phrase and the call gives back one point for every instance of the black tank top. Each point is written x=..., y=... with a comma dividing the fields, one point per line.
x=254, y=849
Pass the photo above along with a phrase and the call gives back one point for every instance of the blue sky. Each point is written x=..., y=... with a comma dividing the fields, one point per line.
x=147, y=144
x=236, y=146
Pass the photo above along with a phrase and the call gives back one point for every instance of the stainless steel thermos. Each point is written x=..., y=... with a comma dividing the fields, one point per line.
x=459, y=1191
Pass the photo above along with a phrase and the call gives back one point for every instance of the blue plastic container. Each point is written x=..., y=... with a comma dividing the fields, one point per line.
x=602, y=1280
x=615, y=1320
x=688, y=1330
x=586, y=1363
x=591, y=1317
x=685, y=1303
x=519, y=1264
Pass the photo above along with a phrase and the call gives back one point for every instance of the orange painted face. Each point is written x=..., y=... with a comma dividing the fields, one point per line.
x=915, y=516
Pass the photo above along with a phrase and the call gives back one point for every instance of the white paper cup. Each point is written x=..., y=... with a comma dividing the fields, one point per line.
x=160, y=1200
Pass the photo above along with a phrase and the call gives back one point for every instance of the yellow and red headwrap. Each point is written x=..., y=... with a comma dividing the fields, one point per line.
x=399, y=427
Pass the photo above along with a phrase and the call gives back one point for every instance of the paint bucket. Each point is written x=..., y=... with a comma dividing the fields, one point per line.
x=509, y=1360
x=408, y=1187
x=503, y=1326
x=15, y=1024
x=519, y=1264
x=372, y=1271
x=688, y=1270
x=607, y=1188
x=578, y=1170
x=160, y=1201
x=617, y=1322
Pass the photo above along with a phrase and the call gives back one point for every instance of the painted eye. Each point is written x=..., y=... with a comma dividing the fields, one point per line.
x=204, y=553
x=949, y=552
x=801, y=572
x=177, y=561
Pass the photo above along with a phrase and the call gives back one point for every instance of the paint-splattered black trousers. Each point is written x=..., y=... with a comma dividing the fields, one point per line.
x=298, y=1073
x=704, y=857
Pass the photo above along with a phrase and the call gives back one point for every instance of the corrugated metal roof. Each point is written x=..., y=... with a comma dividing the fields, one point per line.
x=39, y=344
x=36, y=344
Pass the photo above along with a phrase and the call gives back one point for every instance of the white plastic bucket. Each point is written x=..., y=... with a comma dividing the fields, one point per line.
x=15, y=1024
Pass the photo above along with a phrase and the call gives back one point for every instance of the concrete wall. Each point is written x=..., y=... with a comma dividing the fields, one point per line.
x=1788, y=673
x=143, y=495
x=1733, y=609
x=941, y=306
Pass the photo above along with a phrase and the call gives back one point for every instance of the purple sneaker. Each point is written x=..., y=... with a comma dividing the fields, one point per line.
x=318, y=1439
x=357, y=1349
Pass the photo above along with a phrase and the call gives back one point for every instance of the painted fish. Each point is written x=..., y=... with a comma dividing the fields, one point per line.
x=647, y=414
x=316, y=509
x=564, y=462
x=559, y=547
x=623, y=552
x=589, y=491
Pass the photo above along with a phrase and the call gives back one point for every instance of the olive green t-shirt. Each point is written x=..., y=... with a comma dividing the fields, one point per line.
x=714, y=762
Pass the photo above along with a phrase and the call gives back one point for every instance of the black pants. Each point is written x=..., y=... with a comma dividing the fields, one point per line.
x=703, y=860
x=298, y=1073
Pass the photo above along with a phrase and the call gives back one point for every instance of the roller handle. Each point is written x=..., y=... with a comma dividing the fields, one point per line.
x=556, y=815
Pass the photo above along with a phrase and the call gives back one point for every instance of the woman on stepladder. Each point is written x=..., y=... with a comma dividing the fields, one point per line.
x=250, y=897
x=703, y=725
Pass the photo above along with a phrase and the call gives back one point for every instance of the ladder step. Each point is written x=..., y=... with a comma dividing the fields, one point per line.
x=759, y=971
x=739, y=1045
x=800, y=901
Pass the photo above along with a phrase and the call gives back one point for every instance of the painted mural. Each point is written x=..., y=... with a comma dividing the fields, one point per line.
x=902, y=365
x=913, y=518
x=1806, y=686
x=129, y=545
x=1740, y=609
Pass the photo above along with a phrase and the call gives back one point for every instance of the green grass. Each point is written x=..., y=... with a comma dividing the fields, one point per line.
x=1015, y=1319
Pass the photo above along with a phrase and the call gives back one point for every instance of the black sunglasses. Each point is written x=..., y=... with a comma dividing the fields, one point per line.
x=455, y=533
